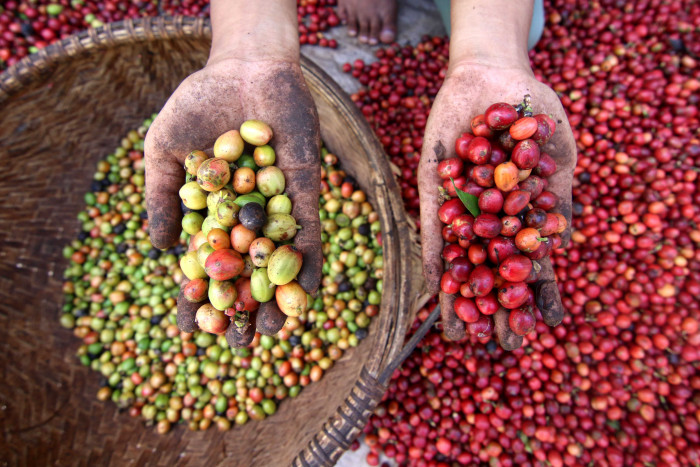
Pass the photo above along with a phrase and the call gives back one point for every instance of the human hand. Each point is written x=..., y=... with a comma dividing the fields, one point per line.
x=219, y=98
x=469, y=89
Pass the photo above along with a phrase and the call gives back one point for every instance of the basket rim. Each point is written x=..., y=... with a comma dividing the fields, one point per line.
x=127, y=31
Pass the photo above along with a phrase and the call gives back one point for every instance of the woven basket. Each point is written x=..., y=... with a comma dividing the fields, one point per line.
x=64, y=108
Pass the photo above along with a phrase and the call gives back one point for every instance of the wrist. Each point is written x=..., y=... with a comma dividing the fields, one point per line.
x=490, y=33
x=254, y=31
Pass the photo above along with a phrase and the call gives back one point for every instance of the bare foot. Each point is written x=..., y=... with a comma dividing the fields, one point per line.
x=370, y=20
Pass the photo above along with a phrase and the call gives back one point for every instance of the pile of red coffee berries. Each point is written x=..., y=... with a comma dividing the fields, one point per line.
x=497, y=223
x=617, y=383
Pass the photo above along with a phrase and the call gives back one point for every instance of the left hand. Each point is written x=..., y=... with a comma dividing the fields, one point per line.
x=219, y=98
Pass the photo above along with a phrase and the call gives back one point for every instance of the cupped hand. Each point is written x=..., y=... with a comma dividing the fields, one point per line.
x=219, y=98
x=469, y=89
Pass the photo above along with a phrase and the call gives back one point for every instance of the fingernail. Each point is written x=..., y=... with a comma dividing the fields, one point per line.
x=387, y=35
x=549, y=302
x=545, y=292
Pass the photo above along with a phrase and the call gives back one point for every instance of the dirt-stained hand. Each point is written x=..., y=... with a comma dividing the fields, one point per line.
x=219, y=98
x=468, y=90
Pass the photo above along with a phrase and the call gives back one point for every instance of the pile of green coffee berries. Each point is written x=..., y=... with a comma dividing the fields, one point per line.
x=240, y=224
x=120, y=301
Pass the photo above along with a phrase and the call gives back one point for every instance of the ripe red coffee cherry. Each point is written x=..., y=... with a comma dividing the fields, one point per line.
x=491, y=201
x=449, y=186
x=451, y=167
x=479, y=127
x=487, y=225
x=511, y=295
x=466, y=310
x=546, y=166
x=448, y=284
x=542, y=250
x=521, y=320
x=500, y=116
x=545, y=129
x=483, y=327
x=516, y=201
x=523, y=128
x=487, y=304
x=462, y=144
x=448, y=234
x=465, y=291
x=461, y=269
x=477, y=254
x=526, y=154
x=510, y=226
x=533, y=184
x=481, y=280
x=452, y=251
x=463, y=226
x=500, y=248
x=498, y=155
x=450, y=209
x=547, y=201
x=479, y=150
x=483, y=175
x=550, y=224
x=515, y=268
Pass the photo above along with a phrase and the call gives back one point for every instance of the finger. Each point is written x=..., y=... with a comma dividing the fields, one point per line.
x=164, y=177
x=454, y=328
x=388, y=23
x=363, y=35
x=431, y=228
x=351, y=20
x=375, y=27
x=562, y=148
x=506, y=337
x=547, y=295
x=342, y=13
x=298, y=144
x=238, y=337
x=186, y=311
x=303, y=187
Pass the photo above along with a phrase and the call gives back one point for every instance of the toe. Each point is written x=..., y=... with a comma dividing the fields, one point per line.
x=387, y=19
x=387, y=35
x=375, y=27
x=363, y=34
x=351, y=19
x=342, y=14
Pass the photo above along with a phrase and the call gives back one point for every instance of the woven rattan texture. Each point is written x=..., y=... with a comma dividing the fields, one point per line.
x=62, y=110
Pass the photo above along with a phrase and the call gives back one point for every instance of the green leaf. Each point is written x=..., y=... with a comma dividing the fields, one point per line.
x=469, y=201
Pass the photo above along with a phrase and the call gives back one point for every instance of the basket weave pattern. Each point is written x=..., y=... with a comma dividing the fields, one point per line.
x=64, y=108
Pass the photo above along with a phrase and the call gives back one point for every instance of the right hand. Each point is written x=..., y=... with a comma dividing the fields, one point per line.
x=469, y=89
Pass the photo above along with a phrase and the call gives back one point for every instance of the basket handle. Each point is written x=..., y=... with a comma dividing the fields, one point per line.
x=338, y=433
x=409, y=347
